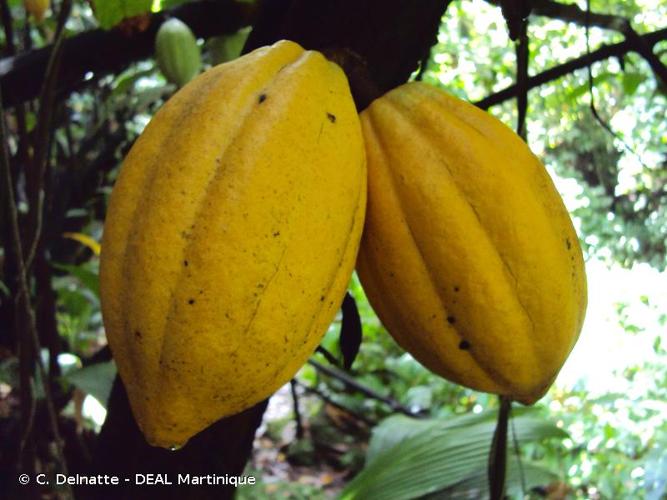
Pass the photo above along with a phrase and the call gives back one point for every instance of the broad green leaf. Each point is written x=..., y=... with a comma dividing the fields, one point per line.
x=441, y=454
x=111, y=13
x=95, y=380
x=397, y=428
x=520, y=479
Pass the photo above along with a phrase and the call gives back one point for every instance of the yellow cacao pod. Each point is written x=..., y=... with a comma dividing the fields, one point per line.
x=230, y=237
x=468, y=256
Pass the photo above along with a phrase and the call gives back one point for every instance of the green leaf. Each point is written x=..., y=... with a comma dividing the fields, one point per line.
x=227, y=47
x=631, y=81
x=429, y=456
x=124, y=83
x=520, y=479
x=95, y=380
x=89, y=278
x=111, y=13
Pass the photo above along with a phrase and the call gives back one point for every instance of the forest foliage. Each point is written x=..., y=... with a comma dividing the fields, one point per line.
x=600, y=129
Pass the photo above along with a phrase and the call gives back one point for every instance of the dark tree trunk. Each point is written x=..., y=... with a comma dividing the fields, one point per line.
x=121, y=450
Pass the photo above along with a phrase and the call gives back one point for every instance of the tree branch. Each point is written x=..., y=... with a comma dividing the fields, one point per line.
x=572, y=13
x=556, y=72
x=100, y=52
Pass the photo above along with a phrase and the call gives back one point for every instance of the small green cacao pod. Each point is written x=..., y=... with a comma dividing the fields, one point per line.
x=177, y=52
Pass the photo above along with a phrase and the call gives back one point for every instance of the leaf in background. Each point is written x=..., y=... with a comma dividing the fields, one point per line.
x=95, y=380
x=631, y=81
x=168, y=4
x=519, y=476
x=224, y=48
x=419, y=398
x=441, y=454
x=88, y=277
x=85, y=240
x=396, y=428
x=125, y=82
x=111, y=13
x=655, y=476
x=350, y=331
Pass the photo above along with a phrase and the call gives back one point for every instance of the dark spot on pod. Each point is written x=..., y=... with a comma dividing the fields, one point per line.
x=191, y=301
x=331, y=117
x=137, y=334
x=464, y=345
x=456, y=289
x=186, y=263
x=262, y=98
x=322, y=298
x=567, y=243
x=391, y=275
x=277, y=233
x=451, y=320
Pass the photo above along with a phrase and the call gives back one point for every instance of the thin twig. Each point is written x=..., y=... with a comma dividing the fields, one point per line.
x=361, y=388
x=328, y=400
x=297, y=412
x=327, y=355
x=593, y=108
x=43, y=135
x=23, y=295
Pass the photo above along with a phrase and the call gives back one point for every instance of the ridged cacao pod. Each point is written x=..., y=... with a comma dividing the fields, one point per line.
x=468, y=256
x=230, y=237
x=177, y=53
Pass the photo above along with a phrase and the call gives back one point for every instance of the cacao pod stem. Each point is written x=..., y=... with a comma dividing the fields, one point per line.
x=498, y=452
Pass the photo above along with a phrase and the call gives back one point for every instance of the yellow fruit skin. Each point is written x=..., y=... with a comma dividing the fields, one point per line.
x=230, y=237
x=468, y=256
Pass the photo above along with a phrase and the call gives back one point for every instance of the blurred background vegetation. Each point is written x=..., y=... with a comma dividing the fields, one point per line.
x=388, y=428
